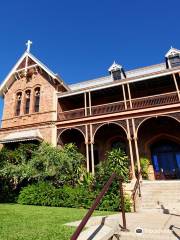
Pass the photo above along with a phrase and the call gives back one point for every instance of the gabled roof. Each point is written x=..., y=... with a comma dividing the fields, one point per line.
x=33, y=62
x=114, y=67
x=172, y=51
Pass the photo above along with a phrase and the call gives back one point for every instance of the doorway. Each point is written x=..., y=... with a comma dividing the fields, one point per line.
x=166, y=159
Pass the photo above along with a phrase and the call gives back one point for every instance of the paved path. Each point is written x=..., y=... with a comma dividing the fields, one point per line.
x=155, y=225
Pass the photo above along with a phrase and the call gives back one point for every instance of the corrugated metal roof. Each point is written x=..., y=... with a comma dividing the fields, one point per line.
x=108, y=79
x=21, y=136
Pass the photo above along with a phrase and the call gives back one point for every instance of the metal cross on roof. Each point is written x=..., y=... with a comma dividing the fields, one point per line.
x=28, y=44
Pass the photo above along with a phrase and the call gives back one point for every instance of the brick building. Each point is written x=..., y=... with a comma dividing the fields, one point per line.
x=137, y=110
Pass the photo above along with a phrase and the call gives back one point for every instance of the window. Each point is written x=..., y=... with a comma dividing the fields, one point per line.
x=18, y=103
x=37, y=99
x=27, y=101
x=175, y=61
x=116, y=75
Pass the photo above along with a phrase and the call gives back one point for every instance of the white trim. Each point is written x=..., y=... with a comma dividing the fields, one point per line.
x=114, y=67
x=41, y=65
x=172, y=51
x=11, y=72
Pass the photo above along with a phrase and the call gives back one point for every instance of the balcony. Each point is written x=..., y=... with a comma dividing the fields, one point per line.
x=115, y=107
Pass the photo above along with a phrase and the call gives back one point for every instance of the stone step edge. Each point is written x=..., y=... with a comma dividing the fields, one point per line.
x=97, y=232
x=147, y=233
x=160, y=181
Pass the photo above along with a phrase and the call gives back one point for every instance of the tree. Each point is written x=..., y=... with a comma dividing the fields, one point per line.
x=29, y=163
x=14, y=163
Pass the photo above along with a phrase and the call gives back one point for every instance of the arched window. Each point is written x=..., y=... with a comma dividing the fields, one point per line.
x=37, y=99
x=18, y=103
x=27, y=101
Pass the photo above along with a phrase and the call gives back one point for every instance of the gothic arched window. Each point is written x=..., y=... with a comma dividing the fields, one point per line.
x=37, y=99
x=27, y=101
x=18, y=103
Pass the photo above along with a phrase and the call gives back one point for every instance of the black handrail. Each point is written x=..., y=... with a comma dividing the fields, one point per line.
x=96, y=203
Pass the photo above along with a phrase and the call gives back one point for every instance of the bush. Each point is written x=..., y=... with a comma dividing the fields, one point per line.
x=144, y=162
x=31, y=163
x=61, y=166
x=14, y=162
x=117, y=161
x=7, y=194
x=37, y=194
x=45, y=194
x=144, y=167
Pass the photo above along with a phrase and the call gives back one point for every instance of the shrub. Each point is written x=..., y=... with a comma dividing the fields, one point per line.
x=61, y=166
x=7, y=194
x=144, y=162
x=87, y=179
x=144, y=167
x=14, y=162
x=28, y=163
x=37, y=194
x=45, y=194
x=117, y=161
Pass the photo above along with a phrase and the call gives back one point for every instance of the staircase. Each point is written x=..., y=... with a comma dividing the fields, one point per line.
x=158, y=213
x=158, y=216
x=161, y=195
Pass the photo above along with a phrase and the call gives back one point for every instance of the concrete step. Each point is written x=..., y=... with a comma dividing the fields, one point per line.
x=98, y=228
x=146, y=235
x=154, y=223
x=160, y=195
x=97, y=232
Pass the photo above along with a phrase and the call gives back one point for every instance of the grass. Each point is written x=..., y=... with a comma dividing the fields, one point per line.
x=21, y=222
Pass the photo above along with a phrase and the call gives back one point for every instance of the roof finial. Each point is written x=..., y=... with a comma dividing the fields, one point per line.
x=28, y=44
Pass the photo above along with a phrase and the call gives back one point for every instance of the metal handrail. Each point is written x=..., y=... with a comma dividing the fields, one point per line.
x=137, y=187
x=96, y=203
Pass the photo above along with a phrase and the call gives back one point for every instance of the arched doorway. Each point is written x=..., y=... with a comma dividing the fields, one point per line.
x=106, y=137
x=165, y=155
x=159, y=141
x=72, y=135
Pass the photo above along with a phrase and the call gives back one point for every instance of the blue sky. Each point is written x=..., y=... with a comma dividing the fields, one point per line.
x=79, y=39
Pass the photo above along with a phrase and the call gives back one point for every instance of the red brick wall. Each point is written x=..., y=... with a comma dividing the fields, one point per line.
x=47, y=110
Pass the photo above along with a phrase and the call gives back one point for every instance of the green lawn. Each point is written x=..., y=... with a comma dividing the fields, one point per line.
x=20, y=222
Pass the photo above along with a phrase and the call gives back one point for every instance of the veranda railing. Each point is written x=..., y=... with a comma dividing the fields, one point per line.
x=136, y=103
